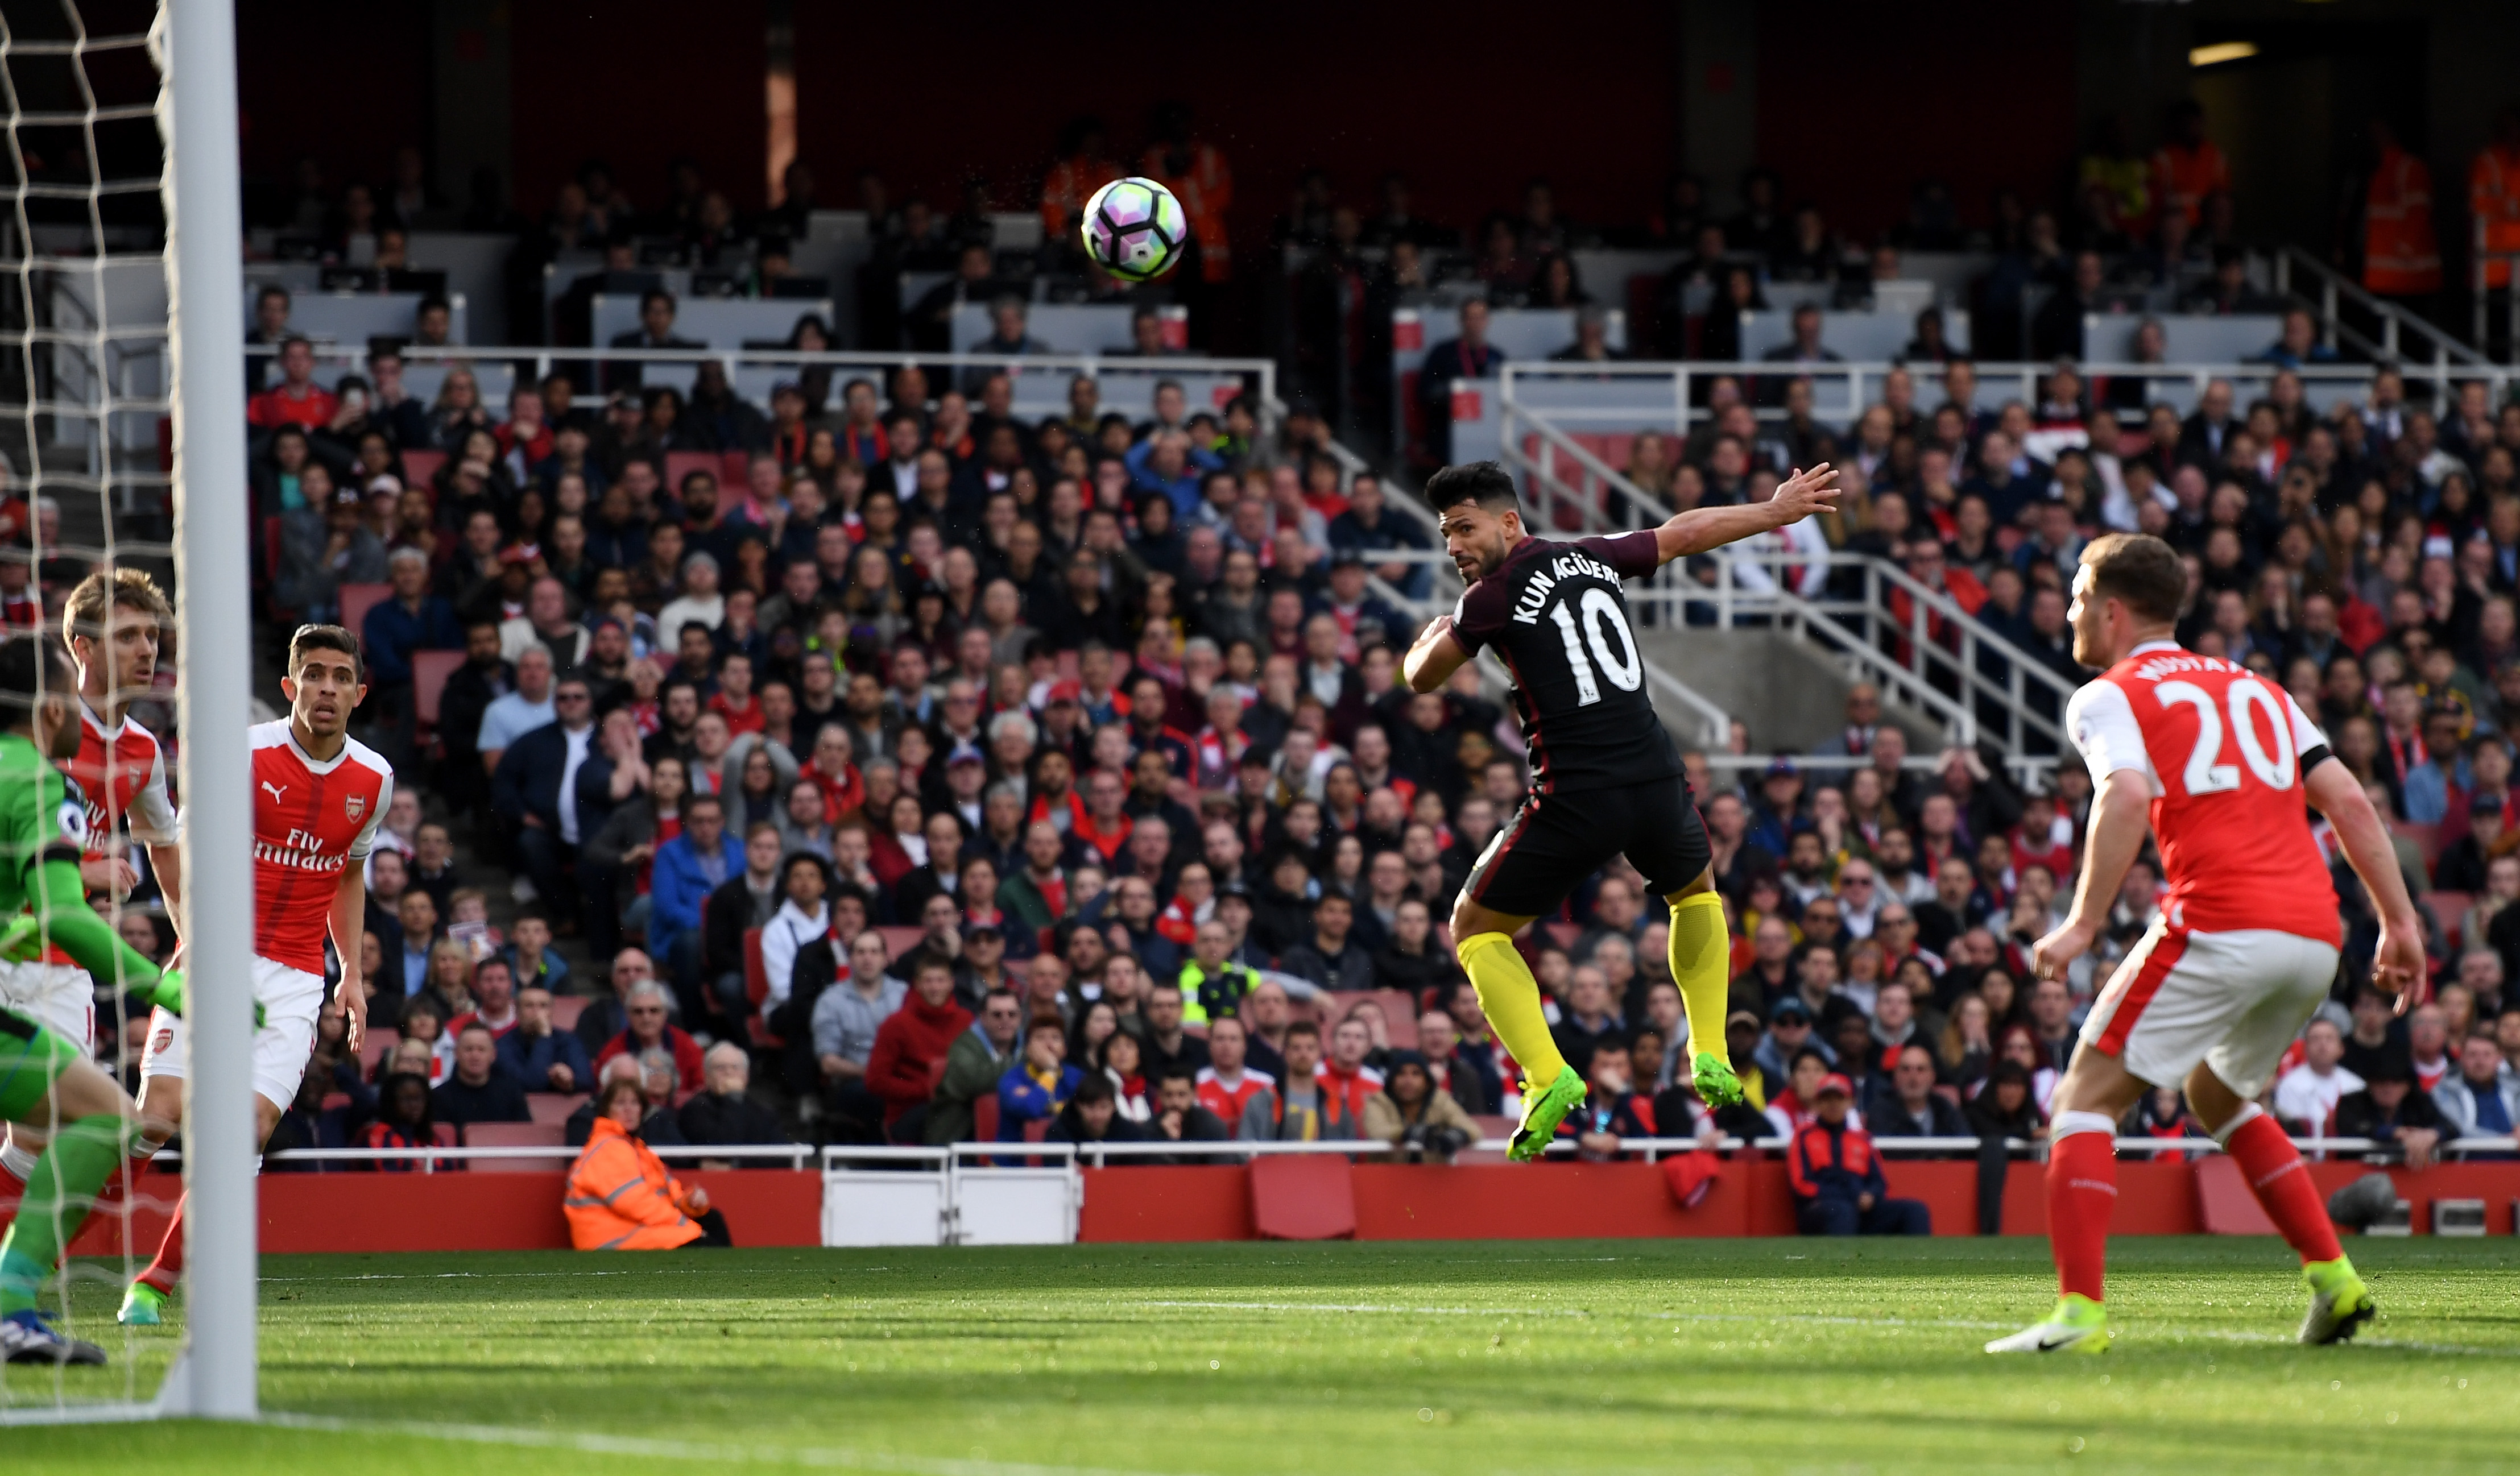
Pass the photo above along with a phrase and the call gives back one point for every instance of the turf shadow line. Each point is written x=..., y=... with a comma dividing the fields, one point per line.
x=591, y=1443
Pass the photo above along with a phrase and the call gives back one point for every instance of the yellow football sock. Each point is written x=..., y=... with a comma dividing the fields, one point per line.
x=1701, y=965
x=1511, y=996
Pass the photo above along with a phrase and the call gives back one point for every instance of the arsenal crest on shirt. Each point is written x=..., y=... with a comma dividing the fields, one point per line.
x=354, y=805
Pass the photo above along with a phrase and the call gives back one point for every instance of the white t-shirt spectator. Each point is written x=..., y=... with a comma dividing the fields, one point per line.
x=2305, y=1097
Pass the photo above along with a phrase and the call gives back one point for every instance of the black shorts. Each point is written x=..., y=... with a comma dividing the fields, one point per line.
x=1557, y=840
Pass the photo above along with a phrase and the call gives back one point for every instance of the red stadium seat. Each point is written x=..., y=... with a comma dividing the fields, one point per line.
x=2452, y=908
x=445, y=1134
x=681, y=463
x=898, y=940
x=420, y=470
x=359, y=598
x=1037, y=1129
x=984, y=1118
x=2427, y=839
x=374, y=1046
x=735, y=470
x=565, y=1009
x=515, y=1135
x=430, y=670
x=554, y=1107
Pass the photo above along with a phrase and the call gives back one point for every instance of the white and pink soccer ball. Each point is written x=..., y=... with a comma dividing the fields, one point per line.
x=1135, y=229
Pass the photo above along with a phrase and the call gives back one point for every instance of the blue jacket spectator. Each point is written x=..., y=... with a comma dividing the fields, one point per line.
x=688, y=867
x=414, y=619
x=1170, y=465
x=529, y=1058
x=1839, y=1188
x=1029, y=1094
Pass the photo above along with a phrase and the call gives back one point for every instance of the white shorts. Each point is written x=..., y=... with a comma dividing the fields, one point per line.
x=2233, y=1000
x=290, y=998
x=59, y=997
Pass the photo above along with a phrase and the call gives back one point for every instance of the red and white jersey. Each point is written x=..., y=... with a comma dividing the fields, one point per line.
x=122, y=772
x=311, y=821
x=2220, y=748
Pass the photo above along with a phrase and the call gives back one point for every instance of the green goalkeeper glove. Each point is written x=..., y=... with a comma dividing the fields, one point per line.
x=18, y=940
x=167, y=994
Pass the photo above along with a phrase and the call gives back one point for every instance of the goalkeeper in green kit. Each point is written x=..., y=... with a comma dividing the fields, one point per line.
x=45, y=1081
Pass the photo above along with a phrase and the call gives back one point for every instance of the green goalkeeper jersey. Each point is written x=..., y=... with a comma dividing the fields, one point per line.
x=43, y=825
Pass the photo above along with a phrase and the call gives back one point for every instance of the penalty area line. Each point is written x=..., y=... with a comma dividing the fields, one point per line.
x=718, y=1452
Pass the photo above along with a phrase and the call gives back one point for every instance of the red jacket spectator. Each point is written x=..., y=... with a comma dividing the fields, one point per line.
x=688, y=1073
x=276, y=407
x=908, y=1046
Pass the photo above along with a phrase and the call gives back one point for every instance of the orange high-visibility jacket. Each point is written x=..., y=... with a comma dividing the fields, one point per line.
x=2181, y=177
x=620, y=1196
x=2398, y=253
x=1205, y=191
x=2494, y=199
x=1071, y=183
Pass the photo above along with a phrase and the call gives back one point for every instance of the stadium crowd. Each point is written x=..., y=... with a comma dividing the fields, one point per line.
x=901, y=769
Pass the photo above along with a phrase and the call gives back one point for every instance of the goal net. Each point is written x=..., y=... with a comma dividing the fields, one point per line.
x=122, y=447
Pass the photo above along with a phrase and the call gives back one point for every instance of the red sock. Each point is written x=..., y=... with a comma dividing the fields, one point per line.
x=2281, y=1182
x=164, y=1272
x=2082, y=1194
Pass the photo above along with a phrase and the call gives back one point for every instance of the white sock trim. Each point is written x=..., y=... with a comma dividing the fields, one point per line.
x=2067, y=1124
x=2248, y=1113
x=19, y=1160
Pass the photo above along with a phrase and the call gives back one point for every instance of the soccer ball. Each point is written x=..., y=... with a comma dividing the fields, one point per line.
x=1135, y=229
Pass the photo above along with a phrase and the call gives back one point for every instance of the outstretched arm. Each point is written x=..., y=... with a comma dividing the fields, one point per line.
x=1702, y=529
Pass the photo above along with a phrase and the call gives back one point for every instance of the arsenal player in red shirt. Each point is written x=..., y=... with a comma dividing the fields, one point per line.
x=320, y=797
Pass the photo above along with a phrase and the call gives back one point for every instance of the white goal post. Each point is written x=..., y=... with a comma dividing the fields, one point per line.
x=215, y=1375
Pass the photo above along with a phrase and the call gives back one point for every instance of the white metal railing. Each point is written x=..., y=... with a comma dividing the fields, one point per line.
x=2334, y=290
x=1659, y=395
x=1101, y=1155
x=1942, y=645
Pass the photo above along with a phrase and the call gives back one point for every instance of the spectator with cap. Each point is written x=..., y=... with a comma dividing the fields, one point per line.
x=1835, y=1174
x=1789, y=1033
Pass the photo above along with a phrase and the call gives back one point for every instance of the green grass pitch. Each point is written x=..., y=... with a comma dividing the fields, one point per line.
x=1455, y=1358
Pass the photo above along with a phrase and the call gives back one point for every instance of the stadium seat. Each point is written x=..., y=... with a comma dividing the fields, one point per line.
x=445, y=1134
x=554, y=1107
x=681, y=463
x=984, y=1118
x=565, y=1009
x=1037, y=1129
x=420, y=468
x=898, y=940
x=2427, y=839
x=514, y=1135
x=430, y=670
x=357, y=600
x=2449, y=908
x=374, y=1046
x=735, y=467
x=756, y=987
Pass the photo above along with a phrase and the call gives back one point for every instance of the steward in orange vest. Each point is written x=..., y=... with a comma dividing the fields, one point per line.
x=620, y=1196
x=2400, y=257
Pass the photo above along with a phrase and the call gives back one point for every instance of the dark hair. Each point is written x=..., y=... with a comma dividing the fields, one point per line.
x=1485, y=483
x=1177, y=1071
x=2139, y=569
x=1096, y=1088
x=31, y=664
x=325, y=638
